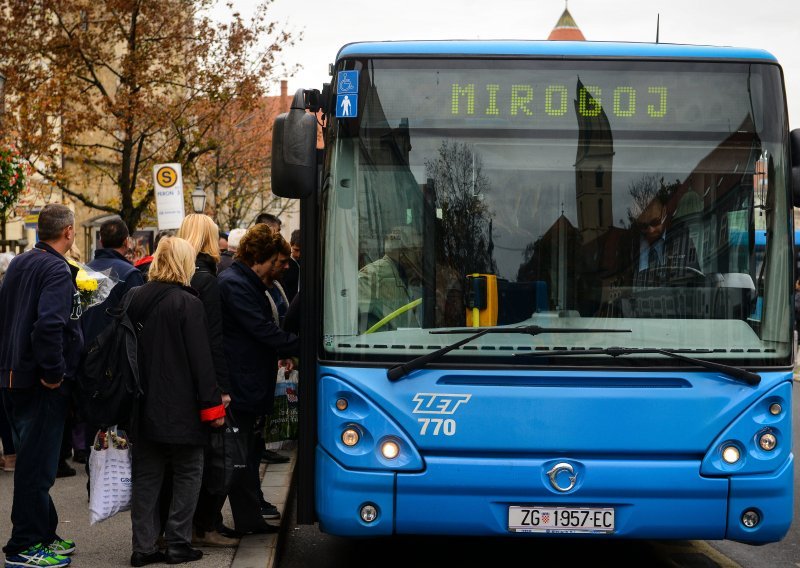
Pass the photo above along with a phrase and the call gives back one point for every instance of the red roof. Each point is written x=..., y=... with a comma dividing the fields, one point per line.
x=566, y=29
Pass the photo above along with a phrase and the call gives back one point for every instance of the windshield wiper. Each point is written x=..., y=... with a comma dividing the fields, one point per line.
x=735, y=372
x=401, y=370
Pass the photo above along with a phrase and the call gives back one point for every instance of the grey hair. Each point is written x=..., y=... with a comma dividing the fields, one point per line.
x=53, y=219
x=234, y=238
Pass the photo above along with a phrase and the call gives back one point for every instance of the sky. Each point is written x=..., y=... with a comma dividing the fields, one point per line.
x=772, y=25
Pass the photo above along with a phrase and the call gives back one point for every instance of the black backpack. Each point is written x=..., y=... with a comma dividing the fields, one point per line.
x=108, y=375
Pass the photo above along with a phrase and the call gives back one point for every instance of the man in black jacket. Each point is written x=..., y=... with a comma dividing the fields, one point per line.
x=109, y=259
x=40, y=345
x=254, y=343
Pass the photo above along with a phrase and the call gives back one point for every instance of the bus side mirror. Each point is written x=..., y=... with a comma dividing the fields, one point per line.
x=294, y=151
x=312, y=100
x=794, y=139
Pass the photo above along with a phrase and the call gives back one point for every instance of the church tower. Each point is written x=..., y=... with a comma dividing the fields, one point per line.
x=594, y=161
x=566, y=29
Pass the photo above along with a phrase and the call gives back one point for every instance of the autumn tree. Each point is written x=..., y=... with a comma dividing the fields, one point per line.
x=461, y=187
x=235, y=172
x=99, y=92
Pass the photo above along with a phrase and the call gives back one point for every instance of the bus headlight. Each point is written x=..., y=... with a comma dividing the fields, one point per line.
x=767, y=441
x=368, y=513
x=751, y=518
x=350, y=436
x=731, y=454
x=390, y=449
x=359, y=433
x=753, y=442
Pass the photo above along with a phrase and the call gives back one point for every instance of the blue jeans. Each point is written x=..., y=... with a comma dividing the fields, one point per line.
x=36, y=416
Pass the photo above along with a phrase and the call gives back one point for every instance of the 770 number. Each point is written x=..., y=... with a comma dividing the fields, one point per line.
x=446, y=426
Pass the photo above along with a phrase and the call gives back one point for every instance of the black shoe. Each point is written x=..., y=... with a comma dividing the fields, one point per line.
x=269, y=511
x=268, y=456
x=266, y=528
x=142, y=559
x=228, y=532
x=180, y=553
x=80, y=456
x=64, y=470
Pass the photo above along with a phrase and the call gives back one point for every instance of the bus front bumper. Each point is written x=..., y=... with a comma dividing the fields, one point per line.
x=655, y=499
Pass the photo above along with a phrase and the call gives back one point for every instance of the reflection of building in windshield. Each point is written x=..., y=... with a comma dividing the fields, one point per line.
x=579, y=282
x=591, y=266
x=594, y=164
x=711, y=209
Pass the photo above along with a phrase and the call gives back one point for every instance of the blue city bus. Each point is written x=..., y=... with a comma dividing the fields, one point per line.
x=484, y=350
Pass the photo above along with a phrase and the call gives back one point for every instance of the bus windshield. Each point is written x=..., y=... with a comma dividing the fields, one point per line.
x=609, y=196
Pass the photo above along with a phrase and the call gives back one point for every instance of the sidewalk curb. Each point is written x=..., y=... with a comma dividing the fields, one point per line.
x=261, y=550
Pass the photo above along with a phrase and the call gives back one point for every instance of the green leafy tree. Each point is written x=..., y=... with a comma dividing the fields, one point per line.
x=99, y=92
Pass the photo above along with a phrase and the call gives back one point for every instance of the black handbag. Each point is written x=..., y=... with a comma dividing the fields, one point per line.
x=226, y=454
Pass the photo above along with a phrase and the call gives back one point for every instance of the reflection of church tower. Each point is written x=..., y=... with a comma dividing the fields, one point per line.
x=593, y=166
x=566, y=29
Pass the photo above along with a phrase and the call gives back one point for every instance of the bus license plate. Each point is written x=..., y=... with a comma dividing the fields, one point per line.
x=560, y=519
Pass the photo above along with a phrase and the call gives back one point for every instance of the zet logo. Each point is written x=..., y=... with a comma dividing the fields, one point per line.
x=435, y=403
x=439, y=408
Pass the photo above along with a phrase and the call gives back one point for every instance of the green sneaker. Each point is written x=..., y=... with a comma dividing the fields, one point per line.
x=62, y=546
x=37, y=556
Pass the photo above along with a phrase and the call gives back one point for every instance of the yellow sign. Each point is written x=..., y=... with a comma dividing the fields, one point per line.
x=31, y=220
x=166, y=176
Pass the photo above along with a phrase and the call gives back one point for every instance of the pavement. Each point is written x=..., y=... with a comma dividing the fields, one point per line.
x=108, y=543
x=260, y=550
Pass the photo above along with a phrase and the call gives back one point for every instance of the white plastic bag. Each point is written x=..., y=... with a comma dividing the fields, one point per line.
x=110, y=483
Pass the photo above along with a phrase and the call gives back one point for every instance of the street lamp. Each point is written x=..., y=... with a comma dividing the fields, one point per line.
x=198, y=199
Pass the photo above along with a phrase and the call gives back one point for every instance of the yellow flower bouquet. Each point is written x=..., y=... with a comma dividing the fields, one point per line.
x=93, y=286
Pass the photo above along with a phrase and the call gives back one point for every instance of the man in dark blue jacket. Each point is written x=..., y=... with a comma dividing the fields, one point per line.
x=254, y=346
x=110, y=259
x=40, y=345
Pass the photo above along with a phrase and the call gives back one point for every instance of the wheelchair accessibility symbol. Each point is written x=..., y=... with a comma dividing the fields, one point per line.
x=347, y=83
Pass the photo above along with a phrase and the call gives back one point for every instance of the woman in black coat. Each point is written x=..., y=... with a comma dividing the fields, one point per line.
x=180, y=399
x=203, y=234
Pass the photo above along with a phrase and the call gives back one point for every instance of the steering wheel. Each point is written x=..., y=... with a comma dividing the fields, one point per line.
x=399, y=311
x=670, y=274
